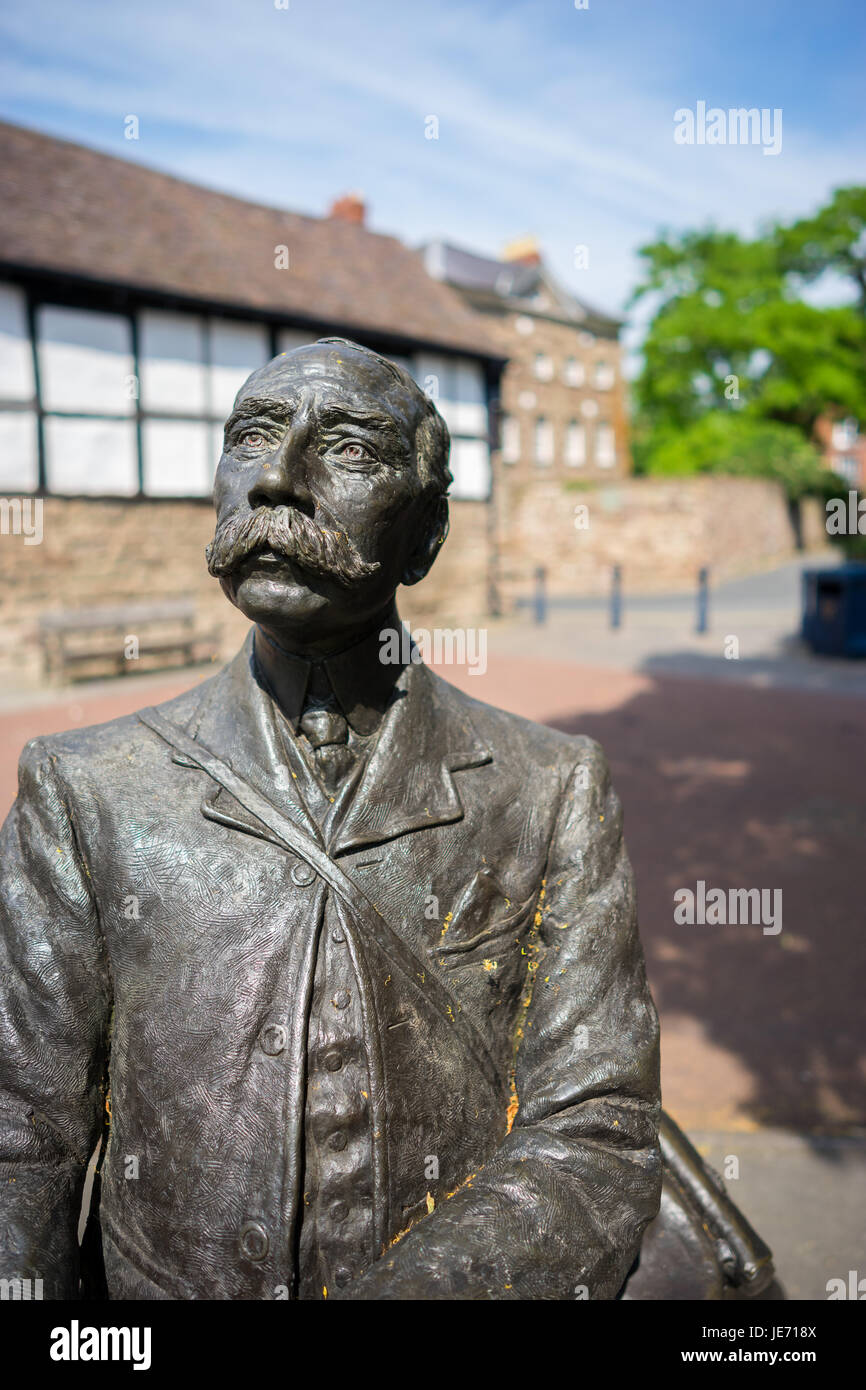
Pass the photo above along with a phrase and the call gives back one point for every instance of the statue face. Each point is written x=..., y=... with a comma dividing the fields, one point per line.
x=320, y=506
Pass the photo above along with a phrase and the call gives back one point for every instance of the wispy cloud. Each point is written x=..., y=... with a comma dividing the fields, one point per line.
x=551, y=120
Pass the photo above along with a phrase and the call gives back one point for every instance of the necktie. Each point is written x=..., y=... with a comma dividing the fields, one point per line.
x=327, y=732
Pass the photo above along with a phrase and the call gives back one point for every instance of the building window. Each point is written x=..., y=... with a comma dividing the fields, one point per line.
x=573, y=372
x=543, y=442
x=178, y=458
x=524, y=325
x=236, y=349
x=470, y=464
x=605, y=445
x=17, y=382
x=86, y=366
x=89, y=392
x=290, y=338
x=134, y=403
x=847, y=467
x=91, y=456
x=543, y=366
x=456, y=386
x=130, y=403
x=19, y=447
x=575, y=444
x=605, y=375
x=191, y=370
x=172, y=352
x=510, y=439
x=19, y=451
x=844, y=434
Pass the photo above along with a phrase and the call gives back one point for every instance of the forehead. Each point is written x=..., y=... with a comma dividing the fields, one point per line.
x=335, y=376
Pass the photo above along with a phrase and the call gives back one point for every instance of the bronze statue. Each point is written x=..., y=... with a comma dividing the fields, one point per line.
x=340, y=963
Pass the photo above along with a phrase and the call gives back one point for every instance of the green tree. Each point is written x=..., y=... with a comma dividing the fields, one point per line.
x=733, y=340
x=723, y=442
x=833, y=241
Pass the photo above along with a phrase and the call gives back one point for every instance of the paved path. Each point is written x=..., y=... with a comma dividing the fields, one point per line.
x=806, y=1197
x=752, y=638
x=779, y=588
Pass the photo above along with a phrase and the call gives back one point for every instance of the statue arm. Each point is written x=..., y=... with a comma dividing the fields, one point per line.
x=559, y=1210
x=54, y=1011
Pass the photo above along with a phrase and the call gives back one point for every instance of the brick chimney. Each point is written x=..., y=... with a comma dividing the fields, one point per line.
x=524, y=251
x=350, y=208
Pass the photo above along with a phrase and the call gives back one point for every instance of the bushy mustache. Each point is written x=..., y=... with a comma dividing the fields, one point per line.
x=290, y=533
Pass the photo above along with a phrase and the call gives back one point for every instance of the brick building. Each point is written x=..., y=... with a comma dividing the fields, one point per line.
x=133, y=304
x=563, y=396
x=843, y=448
x=132, y=307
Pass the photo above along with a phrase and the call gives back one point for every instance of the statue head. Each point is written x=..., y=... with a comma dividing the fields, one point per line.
x=330, y=492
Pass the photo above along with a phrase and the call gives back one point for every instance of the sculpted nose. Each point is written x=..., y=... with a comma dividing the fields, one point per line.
x=281, y=479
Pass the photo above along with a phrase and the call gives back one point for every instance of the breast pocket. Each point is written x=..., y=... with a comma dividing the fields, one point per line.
x=484, y=919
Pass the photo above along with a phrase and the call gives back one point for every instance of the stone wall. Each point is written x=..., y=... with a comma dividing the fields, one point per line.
x=455, y=592
x=96, y=553
x=661, y=531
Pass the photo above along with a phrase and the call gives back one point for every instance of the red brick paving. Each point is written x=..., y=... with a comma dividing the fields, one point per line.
x=725, y=783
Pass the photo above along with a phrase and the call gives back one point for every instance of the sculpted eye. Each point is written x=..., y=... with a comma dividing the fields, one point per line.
x=254, y=438
x=354, y=452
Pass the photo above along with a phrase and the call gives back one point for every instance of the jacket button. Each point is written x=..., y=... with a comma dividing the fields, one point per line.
x=273, y=1038
x=254, y=1240
x=333, y=1060
x=337, y=1141
x=339, y=1211
x=342, y=1277
x=341, y=999
x=303, y=874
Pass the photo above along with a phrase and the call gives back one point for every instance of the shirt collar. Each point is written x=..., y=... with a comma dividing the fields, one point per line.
x=361, y=681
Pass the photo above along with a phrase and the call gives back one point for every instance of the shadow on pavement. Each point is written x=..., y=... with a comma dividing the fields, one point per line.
x=742, y=788
x=793, y=667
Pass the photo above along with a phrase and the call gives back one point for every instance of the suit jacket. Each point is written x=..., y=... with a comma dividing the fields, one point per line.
x=153, y=930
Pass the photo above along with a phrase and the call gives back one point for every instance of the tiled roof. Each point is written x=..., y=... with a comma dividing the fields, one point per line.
x=486, y=280
x=66, y=208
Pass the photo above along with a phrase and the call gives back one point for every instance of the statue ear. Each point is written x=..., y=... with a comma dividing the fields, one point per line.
x=433, y=534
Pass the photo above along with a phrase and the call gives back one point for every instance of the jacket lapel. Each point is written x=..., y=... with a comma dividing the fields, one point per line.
x=407, y=783
x=236, y=721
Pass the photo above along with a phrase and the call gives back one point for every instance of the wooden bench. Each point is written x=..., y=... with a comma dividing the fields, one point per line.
x=80, y=643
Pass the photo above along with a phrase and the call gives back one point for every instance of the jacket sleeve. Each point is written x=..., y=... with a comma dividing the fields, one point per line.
x=558, y=1211
x=54, y=1011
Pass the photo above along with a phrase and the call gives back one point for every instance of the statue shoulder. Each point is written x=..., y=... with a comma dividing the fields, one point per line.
x=520, y=740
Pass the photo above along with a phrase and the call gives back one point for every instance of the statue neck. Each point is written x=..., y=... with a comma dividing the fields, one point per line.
x=361, y=681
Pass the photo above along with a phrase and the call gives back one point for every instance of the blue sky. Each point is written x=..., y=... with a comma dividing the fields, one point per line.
x=552, y=120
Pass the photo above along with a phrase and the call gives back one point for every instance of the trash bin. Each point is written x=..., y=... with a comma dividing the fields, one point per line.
x=834, y=610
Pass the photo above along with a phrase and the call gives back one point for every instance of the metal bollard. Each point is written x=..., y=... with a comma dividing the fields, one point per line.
x=540, y=599
x=703, y=600
x=616, y=597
